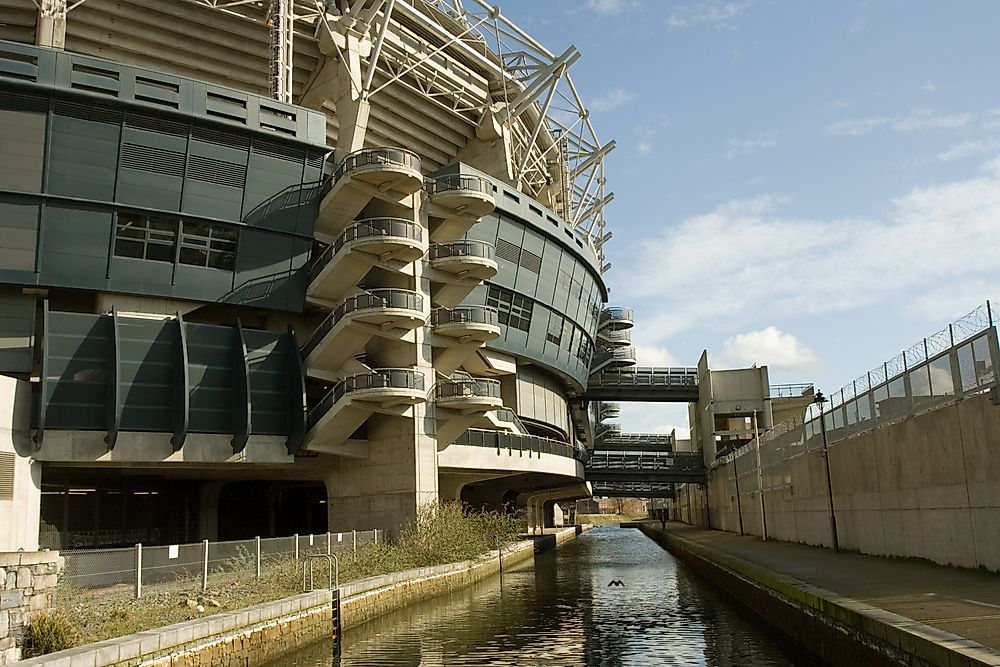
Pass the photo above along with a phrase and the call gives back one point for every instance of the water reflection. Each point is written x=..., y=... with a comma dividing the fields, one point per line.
x=562, y=611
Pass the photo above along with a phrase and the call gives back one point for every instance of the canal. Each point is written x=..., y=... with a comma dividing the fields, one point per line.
x=562, y=611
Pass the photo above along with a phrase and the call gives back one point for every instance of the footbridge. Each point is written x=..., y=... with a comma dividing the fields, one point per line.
x=644, y=383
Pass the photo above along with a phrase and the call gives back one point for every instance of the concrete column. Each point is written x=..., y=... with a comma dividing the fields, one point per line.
x=51, y=26
x=208, y=511
x=19, y=519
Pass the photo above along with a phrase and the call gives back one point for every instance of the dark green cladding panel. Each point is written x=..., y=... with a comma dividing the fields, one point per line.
x=268, y=360
x=210, y=359
x=146, y=377
x=83, y=153
x=75, y=243
x=78, y=349
x=18, y=233
x=152, y=162
x=22, y=136
x=216, y=174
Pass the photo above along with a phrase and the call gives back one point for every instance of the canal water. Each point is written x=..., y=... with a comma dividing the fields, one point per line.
x=562, y=611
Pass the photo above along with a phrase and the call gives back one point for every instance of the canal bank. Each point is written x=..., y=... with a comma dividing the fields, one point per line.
x=266, y=631
x=849, y=608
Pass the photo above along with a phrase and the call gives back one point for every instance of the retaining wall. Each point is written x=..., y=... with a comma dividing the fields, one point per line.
x=841, y=631
x=269, y=630
x=926, y=487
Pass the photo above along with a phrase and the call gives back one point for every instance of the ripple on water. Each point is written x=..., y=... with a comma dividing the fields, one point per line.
x=563, y=612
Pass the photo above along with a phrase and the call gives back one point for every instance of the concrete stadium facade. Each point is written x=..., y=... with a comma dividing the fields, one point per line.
x=279, y=267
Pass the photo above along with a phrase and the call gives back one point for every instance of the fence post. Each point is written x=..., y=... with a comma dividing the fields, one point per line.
x=257, y=546
x=138, y=571
x=296, y=546
x=204, y=565
x=354, y=540
x=376, y=535
x=329, y=543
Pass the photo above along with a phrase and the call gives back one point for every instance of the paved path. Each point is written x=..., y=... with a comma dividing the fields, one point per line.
x=963, y=602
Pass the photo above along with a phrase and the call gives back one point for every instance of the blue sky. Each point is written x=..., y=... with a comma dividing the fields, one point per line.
x=811, y=186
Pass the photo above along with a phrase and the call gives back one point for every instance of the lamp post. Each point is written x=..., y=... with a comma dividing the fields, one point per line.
x=819, y=400
x=760, y=479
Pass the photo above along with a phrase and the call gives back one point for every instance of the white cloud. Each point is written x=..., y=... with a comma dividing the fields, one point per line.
x=655, y=418
x=612, y=100
x=918, y=120
x=746, y=257
x=768, y=347
x=751, y=145
x=654, y=355
x=645, y=148
x=858, y=26
x=929, y=87
x=992, y=121
x=610, y=7
x=711, y=12
x=969, y=149
x=858, y=126
x=924, y=119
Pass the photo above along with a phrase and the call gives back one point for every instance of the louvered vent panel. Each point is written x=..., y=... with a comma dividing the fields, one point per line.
x=11, y=101
x=276, y=150
x=7, y=475
x=220, y=137
x=95, y=112
x=315, y=160
x=155, y=160
x=531, y=261
x=216, y=171
x=158, y=125
x=508, y=251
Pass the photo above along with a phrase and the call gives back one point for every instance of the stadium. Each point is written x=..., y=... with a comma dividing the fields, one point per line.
x=291, y=267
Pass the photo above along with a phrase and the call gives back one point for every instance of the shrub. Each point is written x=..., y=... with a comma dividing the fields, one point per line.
x=48, y=632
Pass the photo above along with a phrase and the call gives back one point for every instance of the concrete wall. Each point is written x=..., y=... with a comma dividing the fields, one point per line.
x=19, y=509
x=27, y=585
x=927, y=487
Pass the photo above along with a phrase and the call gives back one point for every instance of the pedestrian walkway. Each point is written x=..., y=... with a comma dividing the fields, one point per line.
x=964, y=603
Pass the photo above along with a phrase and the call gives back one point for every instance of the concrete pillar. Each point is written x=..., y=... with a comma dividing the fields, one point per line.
x=208, y=510
x=51, y=25
x=19, y=517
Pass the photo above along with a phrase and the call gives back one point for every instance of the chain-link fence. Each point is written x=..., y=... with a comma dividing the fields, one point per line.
x=957, y=361
x=141, y=565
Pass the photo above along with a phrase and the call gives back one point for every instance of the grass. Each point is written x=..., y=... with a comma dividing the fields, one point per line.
x=441, y=534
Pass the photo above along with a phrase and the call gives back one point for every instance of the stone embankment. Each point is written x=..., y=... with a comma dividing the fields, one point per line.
x=27, y=584
x=267, y=631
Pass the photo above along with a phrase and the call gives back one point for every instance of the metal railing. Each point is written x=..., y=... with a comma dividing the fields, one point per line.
x=376, y=228
x=379, y=378
x=647, y=376
x=367, y=157
x=634, y=489
x=466, y=315
x=143, y=565
x=619, y=440
x=617, y=315
x=615, y=337
x=646, y=461
x=459, y=182
x=958, y=361
x=463, y=248
x=790, y=390
x=376, y=299
x=624, y=355
x=464, y=385
x=608, y=410
x=532, y=444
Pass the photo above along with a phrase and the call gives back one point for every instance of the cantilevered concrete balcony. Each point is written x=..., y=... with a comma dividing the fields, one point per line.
x=353, y=400
x=390, y=313
x=390, y=174
x=616, y=319
x=460, y=401
x=458, y=268
x=458, y=201
x=613, y=338
x=613, y=358
x=459, y=332
x=606, y=410
x=389, y=243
